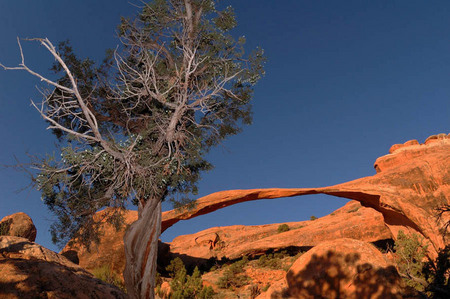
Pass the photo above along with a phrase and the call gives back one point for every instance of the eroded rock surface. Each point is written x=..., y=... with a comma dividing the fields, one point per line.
x=29, y=270
x=110, y=251
x=18, y=225
x=351, y=221
x=410, y=185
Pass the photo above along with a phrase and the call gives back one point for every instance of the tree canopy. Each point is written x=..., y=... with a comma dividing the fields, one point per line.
x=137, y=126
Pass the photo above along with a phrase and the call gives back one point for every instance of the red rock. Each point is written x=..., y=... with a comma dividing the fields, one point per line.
x=29, y=270
x=409, y=186
x=343, y=268
x=19, y=225
x=109, y=251
x=351, y=221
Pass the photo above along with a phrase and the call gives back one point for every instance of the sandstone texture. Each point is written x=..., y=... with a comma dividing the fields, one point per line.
x=19, y=225
x=410, y=184
x=351, y=221
x=343, y=268
x=109, y=251
x=29, y=270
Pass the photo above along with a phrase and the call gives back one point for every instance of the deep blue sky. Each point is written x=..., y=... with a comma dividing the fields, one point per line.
x=344, y=81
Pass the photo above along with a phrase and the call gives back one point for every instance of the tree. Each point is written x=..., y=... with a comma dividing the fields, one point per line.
x=137, y=127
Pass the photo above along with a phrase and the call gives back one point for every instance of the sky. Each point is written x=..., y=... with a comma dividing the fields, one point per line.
x=344, y=81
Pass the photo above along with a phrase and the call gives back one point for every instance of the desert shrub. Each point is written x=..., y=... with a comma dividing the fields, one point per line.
x=270, y=261
x=254, y=291
x=313, y=218
x=283, y=228
x=265, y=288
x=410, y=254
x=106, y=274
x=355, y=209
x=233, y=276
x=186, y=286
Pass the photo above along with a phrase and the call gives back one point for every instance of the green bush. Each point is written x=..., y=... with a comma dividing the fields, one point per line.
x=355, y=209
x=186, y=286
x=106, y=274
x=234, y=277
x=265, y=288
x=283, y=228
x=410, y=254
x=270, y=261
x=313, y=218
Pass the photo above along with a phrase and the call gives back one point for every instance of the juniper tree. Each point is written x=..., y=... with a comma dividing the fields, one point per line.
x=137, y=127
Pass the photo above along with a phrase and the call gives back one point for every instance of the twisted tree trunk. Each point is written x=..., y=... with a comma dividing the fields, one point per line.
x=141, y=248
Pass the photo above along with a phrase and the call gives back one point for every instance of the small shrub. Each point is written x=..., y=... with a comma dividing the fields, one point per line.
x=233, y=277
x=109, y=276
x=186, y=286
x=270, y=261
x=355, y=209
x=254, y=291
x=313, y=218
x=283, y=228
x=265, y=288
x=410, y=254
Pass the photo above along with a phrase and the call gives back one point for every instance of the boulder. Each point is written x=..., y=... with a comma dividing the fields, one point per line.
x=19, y=225
x=343, y=268
x=29, y=270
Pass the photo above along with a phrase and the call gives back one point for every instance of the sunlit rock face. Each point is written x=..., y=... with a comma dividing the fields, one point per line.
x=351, y=221
x=29, y=270
x=410, y=184
x=18, y=225
x=109, y=251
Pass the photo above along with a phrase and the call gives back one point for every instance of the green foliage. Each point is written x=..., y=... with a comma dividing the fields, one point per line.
x=265, y=288
x=165, y=140
x=355, y=209
x=106, y=274
x=184, y=286
x=234, y=276
x=272, y=261
x=313, y=218
x=410, y=255
x=283, y=228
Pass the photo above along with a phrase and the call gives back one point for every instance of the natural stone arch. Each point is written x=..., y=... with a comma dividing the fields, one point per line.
x=410, y=184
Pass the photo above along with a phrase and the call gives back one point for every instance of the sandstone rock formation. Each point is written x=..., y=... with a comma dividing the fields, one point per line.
x=19, y=225
x=110, y=250
x=232, y=242
x=411, y=183
x=351, y=221
x=343, y=268
x=29, y=270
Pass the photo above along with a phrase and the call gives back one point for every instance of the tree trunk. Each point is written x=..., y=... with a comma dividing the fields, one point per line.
x=141, y=248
